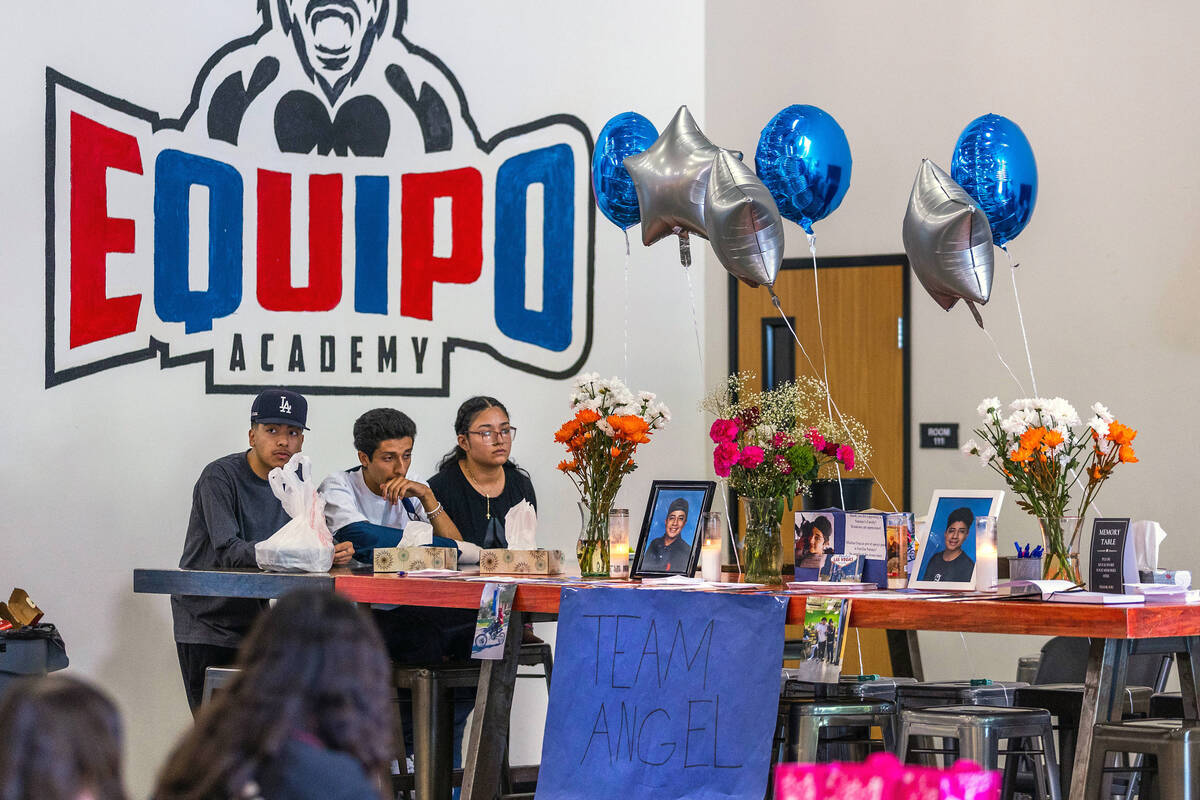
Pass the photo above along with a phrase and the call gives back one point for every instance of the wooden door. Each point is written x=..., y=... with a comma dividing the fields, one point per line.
x=863, y=313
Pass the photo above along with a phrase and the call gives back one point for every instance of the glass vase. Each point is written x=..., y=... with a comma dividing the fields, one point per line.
x=1060, y=538
x=592, y=548
x=761, y=549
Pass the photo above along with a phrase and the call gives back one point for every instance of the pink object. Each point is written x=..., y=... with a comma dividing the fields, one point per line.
x=817, y=440
x=724, y=430
x=725, y=455
x=882, y=777
x=845, y=454
x=751, y=457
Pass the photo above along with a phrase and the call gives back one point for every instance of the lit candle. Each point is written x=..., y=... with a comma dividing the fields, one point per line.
x=985, y=554
x=713, y=532
x=618, y=542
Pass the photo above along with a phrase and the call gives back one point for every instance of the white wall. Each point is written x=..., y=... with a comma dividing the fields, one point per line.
x=99, y=471
x=1108, y=281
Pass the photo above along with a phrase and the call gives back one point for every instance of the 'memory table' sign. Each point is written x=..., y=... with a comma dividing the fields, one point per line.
x=662, y=694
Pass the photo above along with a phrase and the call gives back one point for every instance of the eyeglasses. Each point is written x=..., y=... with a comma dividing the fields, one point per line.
x=490, y=436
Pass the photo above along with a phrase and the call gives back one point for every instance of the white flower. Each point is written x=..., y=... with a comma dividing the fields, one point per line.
x=646, y=397
x=605, y=428
x=986, y=454
x=628, y=410
x=1102, y=412
x=988, y=405
x=970, y=447
x=592, y=403
x=1098, y=425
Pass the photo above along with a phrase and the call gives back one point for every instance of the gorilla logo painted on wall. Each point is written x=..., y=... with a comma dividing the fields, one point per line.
x=422, y=234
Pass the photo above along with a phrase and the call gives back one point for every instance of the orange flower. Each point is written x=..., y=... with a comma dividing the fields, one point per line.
x=1020, y=454
x=1032, y=438
x=1096, y=473
x=630, y=427
x=568, y=466
x=1120, y=434
x=1052, y=439
x=586, y=416
x=614, y=451
x=1125, y=453
x=569, y=429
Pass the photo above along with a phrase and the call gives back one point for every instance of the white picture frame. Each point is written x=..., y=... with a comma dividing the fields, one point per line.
x=939, y=534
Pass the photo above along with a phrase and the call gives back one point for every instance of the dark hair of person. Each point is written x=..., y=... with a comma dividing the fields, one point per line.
x=962, y=515
x=819, y=524
x=380, y=424
x=59, y=738
x=679, y=504
x=467, y=412
x=314, y=664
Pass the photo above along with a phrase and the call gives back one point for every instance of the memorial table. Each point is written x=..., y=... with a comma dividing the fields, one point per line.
x=1116, y=632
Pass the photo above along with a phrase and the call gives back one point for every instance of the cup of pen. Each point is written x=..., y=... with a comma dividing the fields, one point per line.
x=1026, y=565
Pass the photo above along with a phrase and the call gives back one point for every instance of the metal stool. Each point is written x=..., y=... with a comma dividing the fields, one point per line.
x=844, y=723
x=850, y=689
x=216, y=678
x=1167, y=704
x=977, y=732
x=1175, y=747
x=957, y=693
x=1064, y=701
x=433, y=723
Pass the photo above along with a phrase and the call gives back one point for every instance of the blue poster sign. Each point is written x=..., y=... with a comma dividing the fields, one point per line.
x=662, y=694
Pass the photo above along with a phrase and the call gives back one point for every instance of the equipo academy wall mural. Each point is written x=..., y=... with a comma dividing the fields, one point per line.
x=324, y=213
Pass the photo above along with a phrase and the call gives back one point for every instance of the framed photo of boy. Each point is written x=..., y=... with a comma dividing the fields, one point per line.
x=946, y=553
x=669, y=543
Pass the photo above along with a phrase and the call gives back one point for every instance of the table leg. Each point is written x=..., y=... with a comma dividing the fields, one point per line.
x=1188, y=663
x=1103, y=691
x=488, y=736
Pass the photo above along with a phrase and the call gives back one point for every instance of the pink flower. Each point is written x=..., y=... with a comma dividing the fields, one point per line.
x=751, y=457
x=781, y=441
x=725, y=455
x=830, y=449
x=724, y=430
x=783, y=465
x=845, y=454
x=817, y=440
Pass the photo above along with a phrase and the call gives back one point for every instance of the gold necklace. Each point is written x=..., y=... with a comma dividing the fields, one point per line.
x=475, y=484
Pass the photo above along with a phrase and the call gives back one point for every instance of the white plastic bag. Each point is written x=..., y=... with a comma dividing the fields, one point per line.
x=304, y=544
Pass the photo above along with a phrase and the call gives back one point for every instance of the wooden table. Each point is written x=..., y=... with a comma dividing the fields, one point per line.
x=1116, y=632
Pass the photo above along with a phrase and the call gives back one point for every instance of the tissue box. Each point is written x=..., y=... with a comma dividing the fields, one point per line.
x=411, y=559
x=501, y=561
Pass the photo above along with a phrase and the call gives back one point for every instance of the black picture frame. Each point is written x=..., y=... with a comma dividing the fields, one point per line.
x=698, y=495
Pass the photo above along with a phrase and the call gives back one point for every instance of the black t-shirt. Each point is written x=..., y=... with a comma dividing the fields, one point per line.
x=469, y=510
x=661, y=557
x=939, y=569
x=306, y=771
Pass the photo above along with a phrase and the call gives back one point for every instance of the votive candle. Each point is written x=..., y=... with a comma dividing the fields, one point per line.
x=985, y=554
x=618, y=542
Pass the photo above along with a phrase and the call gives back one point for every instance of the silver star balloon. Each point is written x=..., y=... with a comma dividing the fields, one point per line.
x=671, y=179
x=948, y=241
x=743, y=222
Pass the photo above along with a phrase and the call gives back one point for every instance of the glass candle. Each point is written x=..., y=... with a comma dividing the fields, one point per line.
x=985, y=554
x=712, y=532
x=618, y=542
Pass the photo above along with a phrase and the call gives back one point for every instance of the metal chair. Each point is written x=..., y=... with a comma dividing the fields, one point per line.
x=215, y=679
x=1174, y=746
x=845, y=724
x=976, y=732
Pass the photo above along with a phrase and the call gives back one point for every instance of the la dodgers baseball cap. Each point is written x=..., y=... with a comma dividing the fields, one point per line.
x=281, y=406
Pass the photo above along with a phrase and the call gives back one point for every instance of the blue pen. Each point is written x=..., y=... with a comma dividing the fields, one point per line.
x=1018, y=546
x=1037, y=551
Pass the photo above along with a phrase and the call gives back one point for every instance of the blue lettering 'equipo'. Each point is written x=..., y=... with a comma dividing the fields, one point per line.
x=951, y=564
x=669, y=552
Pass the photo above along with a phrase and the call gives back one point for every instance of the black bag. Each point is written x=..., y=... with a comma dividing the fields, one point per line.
x=33, y=650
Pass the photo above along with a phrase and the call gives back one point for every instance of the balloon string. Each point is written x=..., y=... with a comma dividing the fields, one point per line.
x=626, y=361
x=695, y=323
x=1012, y=271
x=996, y=347
x=834, y=405
x=812, y=248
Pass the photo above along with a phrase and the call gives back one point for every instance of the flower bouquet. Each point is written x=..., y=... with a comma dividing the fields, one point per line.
x=769, y=447
x=1040, y=450
x=601, y=439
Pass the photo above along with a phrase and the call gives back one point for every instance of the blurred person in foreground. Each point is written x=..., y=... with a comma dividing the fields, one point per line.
x=60, y=739
x=308, y=716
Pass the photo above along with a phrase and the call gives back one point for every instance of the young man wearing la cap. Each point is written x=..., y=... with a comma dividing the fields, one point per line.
x=233, y=508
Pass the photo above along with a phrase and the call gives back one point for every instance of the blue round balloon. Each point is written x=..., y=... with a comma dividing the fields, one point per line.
x=803, y=158
x=994, y=163
x=624, y=135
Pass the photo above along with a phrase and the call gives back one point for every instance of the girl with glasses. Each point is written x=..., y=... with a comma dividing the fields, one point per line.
x=476, y=482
